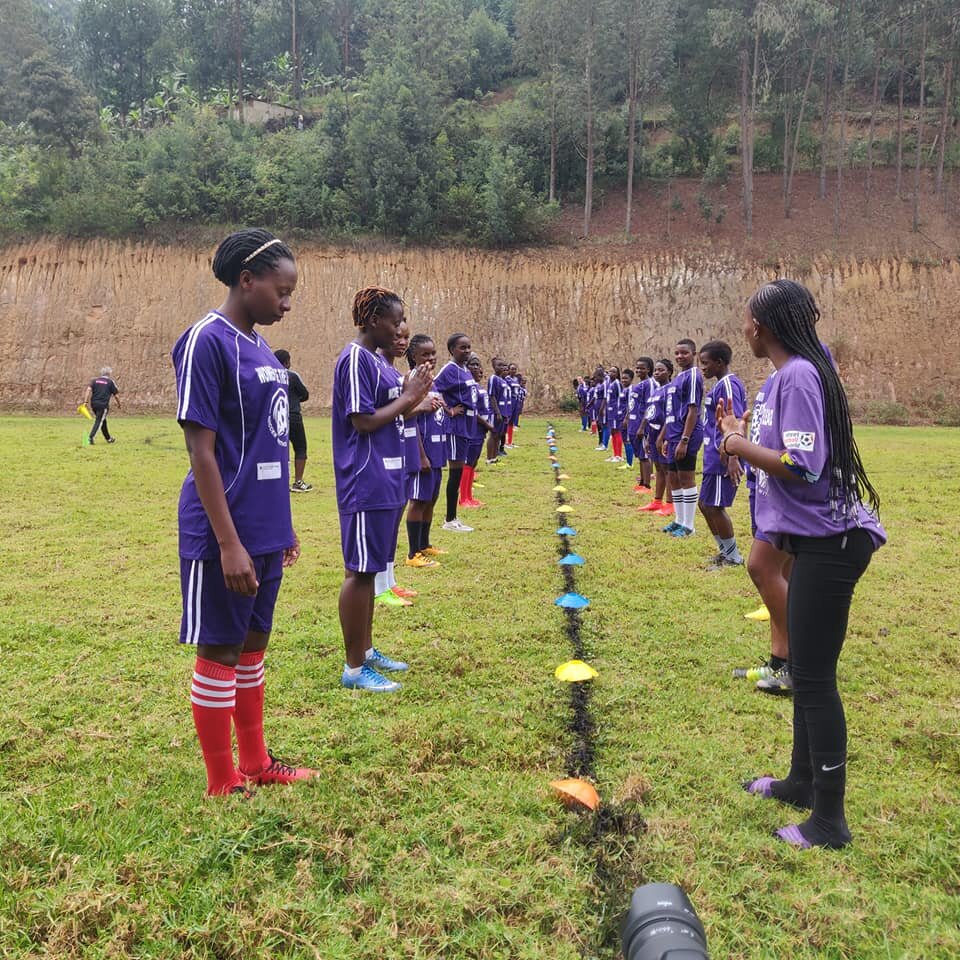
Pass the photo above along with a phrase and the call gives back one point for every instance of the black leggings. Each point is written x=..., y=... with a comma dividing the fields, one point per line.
x=453, y=491
x=100, y=423
x=825, y=573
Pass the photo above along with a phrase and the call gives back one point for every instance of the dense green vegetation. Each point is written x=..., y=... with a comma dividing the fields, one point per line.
x=454, y=118
x=432, y=832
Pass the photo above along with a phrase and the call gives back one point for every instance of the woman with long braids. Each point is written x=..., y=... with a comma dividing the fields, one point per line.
x=810, y=487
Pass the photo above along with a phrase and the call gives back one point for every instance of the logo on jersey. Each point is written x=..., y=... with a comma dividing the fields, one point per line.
x=803, y=440
x=278, y=419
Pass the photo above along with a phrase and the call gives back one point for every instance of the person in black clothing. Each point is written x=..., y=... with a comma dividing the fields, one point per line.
x=298, y=393
x=97, y=397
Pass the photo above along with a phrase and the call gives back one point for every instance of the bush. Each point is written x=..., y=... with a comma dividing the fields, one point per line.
x=569, y=404
x=887, y=412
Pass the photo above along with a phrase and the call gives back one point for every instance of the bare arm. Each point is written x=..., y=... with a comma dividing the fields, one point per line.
x=238, y=571
x=736, y=444
x=415, y=388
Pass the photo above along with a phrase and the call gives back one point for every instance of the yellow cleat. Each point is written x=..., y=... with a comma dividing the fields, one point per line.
x=432, y=552
x=761, y=614
x=419, y=560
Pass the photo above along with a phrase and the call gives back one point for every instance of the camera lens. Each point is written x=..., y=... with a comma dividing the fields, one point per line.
x=662, y=925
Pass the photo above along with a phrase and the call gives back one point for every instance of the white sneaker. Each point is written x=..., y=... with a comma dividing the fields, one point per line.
x=599, y=447
x=616, y=459
x=610, y=460
x=457, y=526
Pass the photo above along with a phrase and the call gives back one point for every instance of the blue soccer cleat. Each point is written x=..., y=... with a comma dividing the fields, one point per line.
x=380, y=661
x=671, y=526
x=369, y=680
x=681, y=532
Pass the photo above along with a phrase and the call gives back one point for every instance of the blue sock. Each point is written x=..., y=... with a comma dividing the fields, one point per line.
x=628, y=452
x=605, y=437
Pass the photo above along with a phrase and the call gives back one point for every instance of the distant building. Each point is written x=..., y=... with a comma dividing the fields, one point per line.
x=262, y=112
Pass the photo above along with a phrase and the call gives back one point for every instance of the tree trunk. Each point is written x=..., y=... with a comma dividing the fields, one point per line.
x=796, y=132
x=919, y=158
x=238, y=52
x=900, y=122
x=631, y=135
x=588, y=186
x=297, y=77
x=945, y=114
x=553, y=134
x=787, y=124
x=868, y=189
x=825, y=120
x=746, y=139
x=841, y=146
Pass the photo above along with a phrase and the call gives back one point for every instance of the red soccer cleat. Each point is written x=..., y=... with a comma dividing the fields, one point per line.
x=666, y=510
x=279, y=772
x=651, y=507
x=471, y=504
x=403, y=593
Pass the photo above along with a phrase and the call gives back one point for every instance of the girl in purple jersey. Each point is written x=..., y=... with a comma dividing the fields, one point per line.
x=236, y=534
x=650, y=426
x=810, y=487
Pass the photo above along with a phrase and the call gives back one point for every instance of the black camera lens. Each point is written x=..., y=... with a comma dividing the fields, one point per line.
x=662, y=925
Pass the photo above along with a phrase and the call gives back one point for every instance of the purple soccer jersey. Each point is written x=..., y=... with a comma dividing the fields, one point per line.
x=685, y=391
x=654, y=414
x=498, y=389
x=611, y=398
x=791, y=419
x=732, y=392
x=458, y=388
x=483, y=408
x=433, y=430
x=367, y=467
x=232, y=384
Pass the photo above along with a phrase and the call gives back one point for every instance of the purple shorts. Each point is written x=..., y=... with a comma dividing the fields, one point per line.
x=369, y=539
x=214, y=615
x=757, y=535
x=459, y=448
x=474, y=449
x=425, y=485
x=717, y=490
x=636, y=441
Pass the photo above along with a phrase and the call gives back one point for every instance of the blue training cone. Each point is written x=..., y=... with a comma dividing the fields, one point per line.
x=572, y=601
x=572, y=560
x=566, y=532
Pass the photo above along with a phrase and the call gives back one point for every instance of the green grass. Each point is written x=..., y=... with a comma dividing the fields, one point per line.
x=432, y=831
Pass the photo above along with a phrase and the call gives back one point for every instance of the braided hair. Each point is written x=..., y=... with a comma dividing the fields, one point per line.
x=371, y=302
x=255, y=250
x=416, y=342
x=667, y=363
x=787, y=309
x=649, y=362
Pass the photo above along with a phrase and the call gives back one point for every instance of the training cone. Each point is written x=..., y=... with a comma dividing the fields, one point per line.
x=556, y=466
x=563, y=476
x=572, y=560
x=552, y=448
x=575, y=671
x=552, y=457
x=576, y=793
x=559, y=489
x=84, y=411
x=566, y=532
x=572, y=601
x=564, y=508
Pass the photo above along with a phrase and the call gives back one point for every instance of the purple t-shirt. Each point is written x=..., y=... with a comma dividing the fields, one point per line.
x=612, y=392
x=433, y=430
x=683, y=392
x=732, y=392
x=498, y=389
x=457, y=387
x=791, y=419
x=232, y=384
x=483, y=408
x=367, y=467
x=654, y=413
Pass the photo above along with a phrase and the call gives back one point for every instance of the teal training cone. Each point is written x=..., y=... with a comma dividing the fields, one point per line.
x=572, y=601
x=566, y=532
x=572, y=560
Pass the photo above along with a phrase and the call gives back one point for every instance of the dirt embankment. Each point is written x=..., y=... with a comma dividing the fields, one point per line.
x=69, y=307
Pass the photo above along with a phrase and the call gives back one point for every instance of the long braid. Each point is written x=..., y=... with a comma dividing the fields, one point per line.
x=788, y=310
x=370, y=302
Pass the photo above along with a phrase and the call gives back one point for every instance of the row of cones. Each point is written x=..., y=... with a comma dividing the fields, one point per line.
x=574, y=792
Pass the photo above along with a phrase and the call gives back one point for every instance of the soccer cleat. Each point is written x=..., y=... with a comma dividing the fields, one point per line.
x=457, y=526
x=753, y=673
x=479, y=486
x=279, y=772
x=389, y=599
x=624, y=466
x=671, y=526
x=111, y=439
x=651, y=507
x=761, y=614
x=491, y=463
x=641, y=488
x=720, y=561
x=666, y=510
x=779, y=683
x=404, y=592
x=471, y=504
x=433, y=552
x=380, y=661
x=419, y=560
x=369, y=680
x=599, y=447
x=681, y=532
x=298, y=486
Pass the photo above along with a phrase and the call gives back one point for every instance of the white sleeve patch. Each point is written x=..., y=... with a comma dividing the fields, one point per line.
x=803, y=440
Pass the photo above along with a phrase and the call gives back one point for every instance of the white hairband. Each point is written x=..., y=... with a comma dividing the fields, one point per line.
x=261, y=248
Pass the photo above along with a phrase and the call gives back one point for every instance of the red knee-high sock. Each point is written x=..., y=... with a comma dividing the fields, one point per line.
x=473, y=473
x=617, y=444
x=213, y=697
x=593, y=426
x=248, y=715
x=465, y=484
x=510, y=434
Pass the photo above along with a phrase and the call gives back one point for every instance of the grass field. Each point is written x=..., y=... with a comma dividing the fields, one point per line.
x=432, y=831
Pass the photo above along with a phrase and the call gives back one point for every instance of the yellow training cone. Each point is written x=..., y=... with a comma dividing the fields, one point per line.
x=575, y=671
x=552, y=457
x=563, y=476
x=559, y=489
x=577, y=793
x=84, y=411
x=565, y=508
